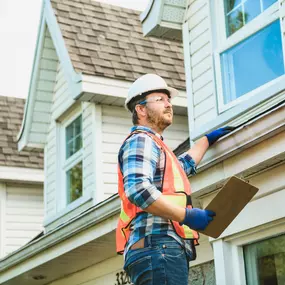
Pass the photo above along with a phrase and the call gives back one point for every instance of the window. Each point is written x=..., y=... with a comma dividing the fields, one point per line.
x=253, y=62
x=249, y=51
x=265, y=262
x=238, y=13
x=73, y=160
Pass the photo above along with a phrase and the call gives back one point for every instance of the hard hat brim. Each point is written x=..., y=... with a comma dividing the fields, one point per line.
x=172, y=92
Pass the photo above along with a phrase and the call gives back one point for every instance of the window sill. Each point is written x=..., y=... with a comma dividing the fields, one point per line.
x=69, y=208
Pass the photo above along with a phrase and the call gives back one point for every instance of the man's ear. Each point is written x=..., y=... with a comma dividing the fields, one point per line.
x=141, y=110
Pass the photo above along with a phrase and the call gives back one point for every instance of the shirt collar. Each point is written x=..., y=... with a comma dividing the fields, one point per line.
x=146, y=129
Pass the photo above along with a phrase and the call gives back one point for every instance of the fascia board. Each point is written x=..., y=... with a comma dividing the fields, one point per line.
x=23, y=135
x=73, y=78
x=117, y=88
x=21, y=174
x=106, y=211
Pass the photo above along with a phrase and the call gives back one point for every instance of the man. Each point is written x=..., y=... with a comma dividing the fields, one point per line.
x=157, y=226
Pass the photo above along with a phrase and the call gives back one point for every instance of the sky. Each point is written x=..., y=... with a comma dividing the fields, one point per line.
x=19, y=22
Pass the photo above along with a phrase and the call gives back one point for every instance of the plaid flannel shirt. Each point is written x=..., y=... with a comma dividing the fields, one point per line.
x=142, y=164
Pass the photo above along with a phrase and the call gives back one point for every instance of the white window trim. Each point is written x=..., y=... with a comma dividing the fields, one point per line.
x=223, y=43
x=66, y=164
x=230, y=251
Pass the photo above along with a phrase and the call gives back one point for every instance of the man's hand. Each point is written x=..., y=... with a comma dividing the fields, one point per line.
x=198, y=219
x=216, y=134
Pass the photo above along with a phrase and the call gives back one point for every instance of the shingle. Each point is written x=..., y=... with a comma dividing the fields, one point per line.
x=107, y=41
x=11, y=115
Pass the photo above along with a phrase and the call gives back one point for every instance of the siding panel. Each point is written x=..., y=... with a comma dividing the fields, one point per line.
x=88, y=120
x=24, y=215
x=201, y=63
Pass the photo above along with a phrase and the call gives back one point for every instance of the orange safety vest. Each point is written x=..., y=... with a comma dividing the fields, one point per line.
x=176, y=188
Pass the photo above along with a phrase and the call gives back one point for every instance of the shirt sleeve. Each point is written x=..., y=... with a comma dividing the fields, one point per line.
x=138, y=159
x=187, y=163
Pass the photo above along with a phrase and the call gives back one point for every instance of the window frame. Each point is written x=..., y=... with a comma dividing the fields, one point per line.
x=65, y=164
x=222, y=43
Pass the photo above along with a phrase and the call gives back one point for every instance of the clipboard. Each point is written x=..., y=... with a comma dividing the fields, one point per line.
x=227, y=204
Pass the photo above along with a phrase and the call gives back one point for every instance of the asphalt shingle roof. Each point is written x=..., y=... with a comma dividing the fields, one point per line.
x=11, y=115
x=106, y=40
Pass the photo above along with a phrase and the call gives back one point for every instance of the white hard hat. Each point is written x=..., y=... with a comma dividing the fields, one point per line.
x=146, y=83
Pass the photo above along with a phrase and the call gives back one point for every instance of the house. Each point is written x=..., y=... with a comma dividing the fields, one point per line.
x=21, y=182
x=234, y=63
x=87, y=56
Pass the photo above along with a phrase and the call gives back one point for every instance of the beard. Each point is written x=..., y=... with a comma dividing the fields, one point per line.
x=159, y=120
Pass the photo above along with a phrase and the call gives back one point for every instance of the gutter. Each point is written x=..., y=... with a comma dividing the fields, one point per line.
x=98, y=213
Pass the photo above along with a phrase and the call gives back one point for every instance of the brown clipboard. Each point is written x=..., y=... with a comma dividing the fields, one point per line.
x=227, y=204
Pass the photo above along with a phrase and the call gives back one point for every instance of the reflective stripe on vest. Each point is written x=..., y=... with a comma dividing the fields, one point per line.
x=175, y=187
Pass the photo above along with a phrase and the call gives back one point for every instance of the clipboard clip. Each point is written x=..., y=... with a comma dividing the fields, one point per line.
x=243, y=178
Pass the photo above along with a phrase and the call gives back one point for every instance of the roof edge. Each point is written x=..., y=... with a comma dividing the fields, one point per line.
x=71, y=75
x=100, y=212
x=22, y=137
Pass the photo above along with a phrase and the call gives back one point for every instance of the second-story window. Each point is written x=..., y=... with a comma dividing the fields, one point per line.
x=240, y=12
x=249, y=51
x=73, y=162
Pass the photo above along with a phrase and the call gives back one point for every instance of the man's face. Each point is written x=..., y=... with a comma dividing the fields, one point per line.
x=159, y=110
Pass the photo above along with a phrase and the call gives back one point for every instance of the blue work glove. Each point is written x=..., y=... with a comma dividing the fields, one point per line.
x=198, y=219
x=216, y=134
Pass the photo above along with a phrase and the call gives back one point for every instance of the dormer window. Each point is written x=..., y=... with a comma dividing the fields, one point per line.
x=73, y=162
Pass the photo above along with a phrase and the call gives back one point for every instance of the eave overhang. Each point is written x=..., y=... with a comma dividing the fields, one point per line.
x=113, y=92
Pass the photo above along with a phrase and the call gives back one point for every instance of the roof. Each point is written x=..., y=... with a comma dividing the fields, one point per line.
x=11, y=116
x=106, y=40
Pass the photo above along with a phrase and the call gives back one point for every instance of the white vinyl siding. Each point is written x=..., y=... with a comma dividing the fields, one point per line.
x=23, y=215
x=92, y=152
x=116, y=124
x=88, y=152
x=201, y=63
x=50, y=171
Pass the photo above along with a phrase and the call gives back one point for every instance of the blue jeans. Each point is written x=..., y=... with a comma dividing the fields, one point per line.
x=162, y=261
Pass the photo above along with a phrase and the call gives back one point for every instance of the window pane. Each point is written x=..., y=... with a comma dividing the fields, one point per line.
x=265, y=262
x=74, y=183
x=268, y=3
x=231, y=4
x=73, y=137
x=238, y=13
x=252, y=63
x=251, y=10
x=234, y=21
